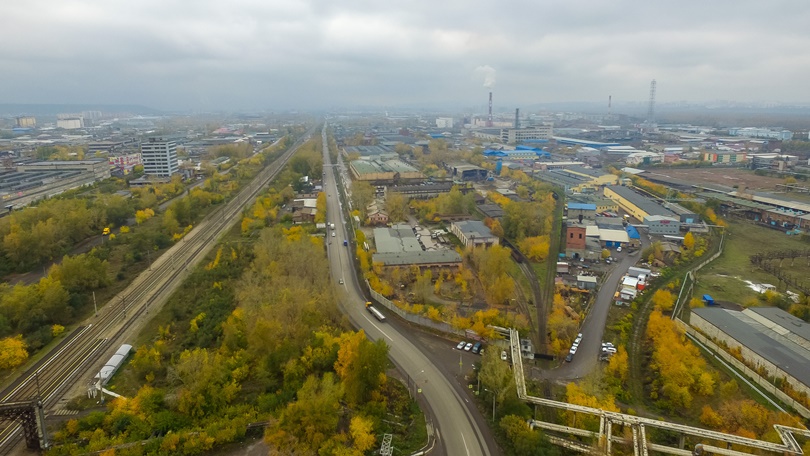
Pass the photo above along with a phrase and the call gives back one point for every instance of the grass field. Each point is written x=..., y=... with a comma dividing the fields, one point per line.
x=725, y=277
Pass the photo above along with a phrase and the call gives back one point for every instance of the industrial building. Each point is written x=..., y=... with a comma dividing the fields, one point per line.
x=767, y=338
x=26, y=121
x=638, y=206
x=662, y=225
x=725, y=157
x=516, y=135
x=581, y=211
x=384, y=171
x=753, y=132
x=474, y=233
x=424, y=191
x=399, y=246
x=159, y=157
x=467, y=172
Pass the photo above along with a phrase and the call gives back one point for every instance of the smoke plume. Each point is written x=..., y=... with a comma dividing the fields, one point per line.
x=487, y=73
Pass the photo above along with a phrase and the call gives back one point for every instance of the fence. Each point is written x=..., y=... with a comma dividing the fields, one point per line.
x=745, y=370
x=416, y=319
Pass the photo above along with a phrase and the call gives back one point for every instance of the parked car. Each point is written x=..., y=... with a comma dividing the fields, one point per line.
x=460, y=345
x=468, y=346
x=569, y=358
x=477, y=347
x=504, y=356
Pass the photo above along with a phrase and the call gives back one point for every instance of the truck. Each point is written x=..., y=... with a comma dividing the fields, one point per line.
x=377, y=314
x=332, y=225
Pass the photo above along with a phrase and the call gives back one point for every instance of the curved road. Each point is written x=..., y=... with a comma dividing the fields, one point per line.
x=454, y=417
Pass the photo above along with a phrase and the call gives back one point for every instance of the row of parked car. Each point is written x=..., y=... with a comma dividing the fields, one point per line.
x=477, y=348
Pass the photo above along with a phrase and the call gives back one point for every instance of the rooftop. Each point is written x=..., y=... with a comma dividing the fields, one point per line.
x=645, y=204
x=765, y=342
x=474, y=228
x=397, y=239
x=421, y=257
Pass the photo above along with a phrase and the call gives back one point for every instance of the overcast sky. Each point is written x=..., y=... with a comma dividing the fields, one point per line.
x=270, y=54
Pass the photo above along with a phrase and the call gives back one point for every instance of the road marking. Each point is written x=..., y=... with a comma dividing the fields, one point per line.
x=465, y=444
x=378, y=328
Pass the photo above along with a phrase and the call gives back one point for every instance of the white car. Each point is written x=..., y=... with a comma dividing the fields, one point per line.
x=468, y=347
x=461, y=345
x=340, y=281
x=333, y=234
x=618, y=249
x=504, y=357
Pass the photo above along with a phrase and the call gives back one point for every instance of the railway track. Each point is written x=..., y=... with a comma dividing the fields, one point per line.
x=89, y=345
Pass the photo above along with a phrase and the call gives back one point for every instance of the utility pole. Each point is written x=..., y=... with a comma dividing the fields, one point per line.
x=95, y=306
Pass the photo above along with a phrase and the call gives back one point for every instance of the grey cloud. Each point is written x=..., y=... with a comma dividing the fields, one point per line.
x=266, y=54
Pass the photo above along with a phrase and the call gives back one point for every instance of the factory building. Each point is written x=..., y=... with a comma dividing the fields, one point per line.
x=384, y=171
x=663, y=225
x=767, y=338
x=516, y=135
x=473, y=233
x=635, y=204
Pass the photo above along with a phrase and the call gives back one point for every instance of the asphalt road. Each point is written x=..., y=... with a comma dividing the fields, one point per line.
x=455, y=420
x=594, y=326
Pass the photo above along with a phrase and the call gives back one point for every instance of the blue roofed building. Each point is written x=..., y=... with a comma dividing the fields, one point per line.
x=528, y=153
x=581, y=211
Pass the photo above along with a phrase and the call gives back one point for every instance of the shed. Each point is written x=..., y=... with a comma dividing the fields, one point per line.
x=586, y=282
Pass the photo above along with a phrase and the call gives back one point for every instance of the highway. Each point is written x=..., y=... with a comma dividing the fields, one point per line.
x=457, y=424
x=89, y=346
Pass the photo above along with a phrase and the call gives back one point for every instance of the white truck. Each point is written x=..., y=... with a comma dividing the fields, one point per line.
x=332, y=225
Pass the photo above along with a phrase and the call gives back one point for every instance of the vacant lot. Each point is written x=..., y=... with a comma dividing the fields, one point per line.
x=725, y=278
x=722, y=176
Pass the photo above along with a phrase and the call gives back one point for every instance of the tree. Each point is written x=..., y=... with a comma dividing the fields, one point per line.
x=496, y=375
x=362, y=194
x=396, y=204
x=13, y=352
x=523, y=440
x=362, y=432
x=689, y=241
x=80, y=273
x=361, y=364
x=663, y=300
x=320, y=207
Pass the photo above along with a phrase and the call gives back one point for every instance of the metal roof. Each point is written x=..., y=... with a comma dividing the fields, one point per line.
x=645, y=204
x=767, y=343
x=474, y=228
x=421, y=257
x=582, y=206
x=396, y=240
x=784, y=319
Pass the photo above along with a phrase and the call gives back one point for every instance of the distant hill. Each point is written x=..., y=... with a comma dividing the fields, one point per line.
x=17, y=109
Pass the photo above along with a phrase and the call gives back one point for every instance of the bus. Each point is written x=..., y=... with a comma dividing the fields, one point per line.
x=377, y=314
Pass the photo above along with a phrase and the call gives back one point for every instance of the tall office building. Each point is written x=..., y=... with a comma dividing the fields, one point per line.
x=159, y=157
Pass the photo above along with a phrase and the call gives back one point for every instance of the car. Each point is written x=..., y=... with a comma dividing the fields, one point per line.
x=333, y=234
x=569, y=358
x=608, y=350
x=504, y=356
x=468, y=346
x=460, y=345
x=618, y=249
x=477, y=348
x=340, y=281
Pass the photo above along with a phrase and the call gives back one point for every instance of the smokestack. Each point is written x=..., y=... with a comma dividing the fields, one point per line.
x=489, y=119
x=517, y=118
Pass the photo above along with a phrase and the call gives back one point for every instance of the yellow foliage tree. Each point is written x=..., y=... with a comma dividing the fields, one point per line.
x=13, y=352
x=663, y=300
x=689, y=241
x=144, y=215
x=362, y=432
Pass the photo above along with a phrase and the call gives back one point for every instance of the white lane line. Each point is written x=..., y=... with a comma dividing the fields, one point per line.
x=378, y=328
x=465, y=444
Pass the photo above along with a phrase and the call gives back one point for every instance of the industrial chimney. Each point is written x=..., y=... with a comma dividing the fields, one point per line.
x=489, y=119
x=517, y=118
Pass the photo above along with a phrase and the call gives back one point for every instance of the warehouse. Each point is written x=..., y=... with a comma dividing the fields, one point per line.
x=635, y=204
x=768, y=339
x=659, y=224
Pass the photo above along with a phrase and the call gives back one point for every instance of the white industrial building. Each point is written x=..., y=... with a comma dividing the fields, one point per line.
x=159, y=157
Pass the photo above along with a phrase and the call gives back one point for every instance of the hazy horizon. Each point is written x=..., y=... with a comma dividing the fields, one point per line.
x=254, y=55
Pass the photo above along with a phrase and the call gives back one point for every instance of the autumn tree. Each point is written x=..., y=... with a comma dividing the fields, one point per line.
x=13, y=352
x=361, y=364
x=689, y=241
x=663, y=300
x=320, y=207
x=496, y=375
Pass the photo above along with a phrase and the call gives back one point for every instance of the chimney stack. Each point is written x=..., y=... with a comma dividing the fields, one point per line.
x=517, y=118
x=489, y=119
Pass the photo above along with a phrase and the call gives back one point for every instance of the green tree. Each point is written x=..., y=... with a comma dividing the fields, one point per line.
x=396, y=204
x=361, y=364
x=362, y=194
x=82, y=272
x=523, y=441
